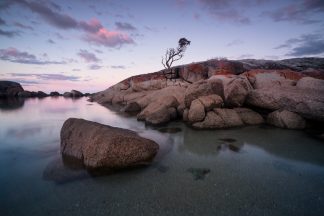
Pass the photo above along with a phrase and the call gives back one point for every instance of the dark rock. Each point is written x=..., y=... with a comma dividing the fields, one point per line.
x=76, y=93
x=67, y=94
x=73, y=93
x=24, y=94
x=41, y=94
x=10, y=89
x=104, y=147
x=54, y=94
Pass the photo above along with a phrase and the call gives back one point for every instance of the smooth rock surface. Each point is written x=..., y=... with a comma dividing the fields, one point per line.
x=211, y=101
x=249, y=117
x=159, y=112
x=196, y=111
x=203, y=88
x=286, y=119
x=311, y=84
x=220, y=118
x=307, y=103
x=102, y=146
x=236, y=91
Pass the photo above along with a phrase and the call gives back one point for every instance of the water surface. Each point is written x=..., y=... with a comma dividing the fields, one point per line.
x=243, y=171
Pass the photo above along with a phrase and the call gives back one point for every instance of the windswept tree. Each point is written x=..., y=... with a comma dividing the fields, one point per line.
x=174, y=54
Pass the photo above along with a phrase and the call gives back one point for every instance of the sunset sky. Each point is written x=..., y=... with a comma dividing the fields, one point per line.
x=90, y=45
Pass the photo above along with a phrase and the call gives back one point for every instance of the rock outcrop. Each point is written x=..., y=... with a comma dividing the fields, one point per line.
x=104, y=147
x=216, y=93
x=10, y=89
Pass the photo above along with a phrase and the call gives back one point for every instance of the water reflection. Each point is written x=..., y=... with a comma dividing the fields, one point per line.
x=206, y=143
x=11, y=103
x=21, y=133
x=63, y=170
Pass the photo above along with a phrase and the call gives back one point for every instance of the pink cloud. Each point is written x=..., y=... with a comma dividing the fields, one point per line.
x=108, y=38
x=93, y=25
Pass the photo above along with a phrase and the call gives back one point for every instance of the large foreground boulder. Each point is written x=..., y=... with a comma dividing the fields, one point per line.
x=10, y=89
x=105, y=147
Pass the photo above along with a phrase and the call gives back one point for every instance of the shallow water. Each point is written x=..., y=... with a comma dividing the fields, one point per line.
x=243, y=171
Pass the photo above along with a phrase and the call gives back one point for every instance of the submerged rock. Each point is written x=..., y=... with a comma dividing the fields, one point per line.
x=199, y=173
x=104, y=147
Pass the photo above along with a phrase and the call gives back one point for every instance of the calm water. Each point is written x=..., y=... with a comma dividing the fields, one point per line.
x=245, y=171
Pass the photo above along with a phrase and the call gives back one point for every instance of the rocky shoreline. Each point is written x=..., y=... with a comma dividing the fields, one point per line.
x=222, y=94
x=10, y=89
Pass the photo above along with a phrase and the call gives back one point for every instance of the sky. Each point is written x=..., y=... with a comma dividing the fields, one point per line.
x=89, y=45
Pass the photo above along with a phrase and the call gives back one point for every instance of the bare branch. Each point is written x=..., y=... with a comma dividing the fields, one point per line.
x=172, y=54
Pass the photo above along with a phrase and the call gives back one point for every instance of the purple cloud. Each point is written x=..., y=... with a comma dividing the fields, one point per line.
x=2, y=22
x=23, y=26
x=124, y=26
x=299, y=12
x=88, y=56
x=92, y=26
x=234, y=43
x=225, y=10
x=56, y=6
x=118, y=66
x=51, y=76
x=13, y=55
x=95, y=67
x=9, y=34
x=54, y=18
x=50, y=41
x=95, y=33
x=311, y=44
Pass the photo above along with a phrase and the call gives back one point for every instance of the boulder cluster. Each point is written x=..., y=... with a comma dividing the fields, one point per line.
x=224, y=94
